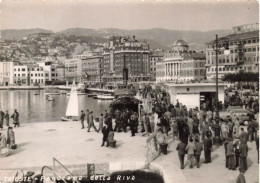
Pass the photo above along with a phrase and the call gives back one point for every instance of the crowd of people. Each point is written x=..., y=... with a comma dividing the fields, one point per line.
x=8, y=142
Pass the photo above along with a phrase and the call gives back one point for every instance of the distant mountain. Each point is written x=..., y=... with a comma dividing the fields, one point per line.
x=18, y=34
x=161, y=37
x=157, y=37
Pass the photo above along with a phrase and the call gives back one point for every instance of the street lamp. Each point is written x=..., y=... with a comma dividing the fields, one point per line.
x=217, y=45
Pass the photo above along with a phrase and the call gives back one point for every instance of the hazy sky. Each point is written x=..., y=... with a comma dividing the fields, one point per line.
x=57, y=15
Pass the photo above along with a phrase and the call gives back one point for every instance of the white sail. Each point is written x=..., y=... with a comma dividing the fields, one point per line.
x=73, y=108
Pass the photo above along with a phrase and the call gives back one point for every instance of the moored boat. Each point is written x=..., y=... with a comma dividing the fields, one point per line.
x=105, y=97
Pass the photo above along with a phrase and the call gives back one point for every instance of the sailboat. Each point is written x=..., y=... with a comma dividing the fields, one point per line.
x=72, y=111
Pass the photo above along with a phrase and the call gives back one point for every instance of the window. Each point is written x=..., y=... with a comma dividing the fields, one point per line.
x=220, y=69
x=35, y=74
x=249, y=49
x=23, y=75
x=254, y=49
x=253, y=41
x=18, y=75
x=249, y=41
x=28, y=69
x=31, y=74
x=231, y=68
x=23, y=69
x=18, y=69
x=14, y=75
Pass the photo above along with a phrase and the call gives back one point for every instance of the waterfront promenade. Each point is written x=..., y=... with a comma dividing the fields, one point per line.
x=38, y=143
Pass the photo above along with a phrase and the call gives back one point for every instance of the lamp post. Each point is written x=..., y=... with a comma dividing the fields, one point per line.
x=217, y=45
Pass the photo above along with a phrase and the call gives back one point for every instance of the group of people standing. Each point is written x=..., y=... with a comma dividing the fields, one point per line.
x=4, y=117
x=104, y=125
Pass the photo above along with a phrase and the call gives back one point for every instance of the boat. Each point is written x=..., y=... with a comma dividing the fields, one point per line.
x=72, y=111
x=55, y=93
x=49, y=98
x=105, y=97
x=63, y=92
x=78, y=94
x=92, y=95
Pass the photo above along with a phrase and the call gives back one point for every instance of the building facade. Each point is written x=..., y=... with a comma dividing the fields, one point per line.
x=244, y=53
x=29, y=75
x=154, y=57
x=73, y=70
x=129, y=53
x=6, y=73
x=181, y=65
x=92, y=69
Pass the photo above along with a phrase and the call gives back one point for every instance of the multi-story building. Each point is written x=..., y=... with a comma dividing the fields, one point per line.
x=125, y=52
x=6, y=73
x=28, y=75
x=244, y=52
x=181, y=65
x=91, y=69
x=73, y=69
x=36, y=75
x=60, y=69
x=154, y=57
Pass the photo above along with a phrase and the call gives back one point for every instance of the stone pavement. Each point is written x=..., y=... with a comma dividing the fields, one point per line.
x=38, y=143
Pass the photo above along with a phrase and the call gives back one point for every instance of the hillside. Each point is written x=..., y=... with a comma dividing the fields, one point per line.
x=157, y=37
x=18, y=34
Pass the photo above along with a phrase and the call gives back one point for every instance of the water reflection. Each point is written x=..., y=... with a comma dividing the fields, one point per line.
x=35, y=108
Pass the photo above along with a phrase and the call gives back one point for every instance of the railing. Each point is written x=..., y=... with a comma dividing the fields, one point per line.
x=54, y=171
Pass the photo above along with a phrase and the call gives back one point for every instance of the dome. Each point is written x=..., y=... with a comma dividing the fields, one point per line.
x=180, y=46
x=180, y=42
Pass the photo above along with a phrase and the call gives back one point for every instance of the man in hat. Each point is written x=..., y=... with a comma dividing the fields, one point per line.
x=1, y=118
x=7, y=118
x=91, y=122
x=207, y=149
x=181, y=152
x=82, y=118
x=243, y=148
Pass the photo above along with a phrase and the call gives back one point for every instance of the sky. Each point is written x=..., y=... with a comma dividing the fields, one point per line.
x=57, y=15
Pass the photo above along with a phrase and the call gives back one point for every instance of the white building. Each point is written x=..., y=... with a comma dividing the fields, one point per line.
x=6, y=73
x=28, y=75
x=181, y=65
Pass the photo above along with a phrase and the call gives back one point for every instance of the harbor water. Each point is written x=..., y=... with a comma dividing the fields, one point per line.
x=36, y=108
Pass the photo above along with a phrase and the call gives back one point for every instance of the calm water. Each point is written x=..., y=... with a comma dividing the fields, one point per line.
x=36, y=108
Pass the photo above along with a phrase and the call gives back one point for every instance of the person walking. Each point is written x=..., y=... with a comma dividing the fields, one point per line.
x=91, y=122
x=15, y=117
x=231, y=155
x=105, y=131
x=181, y=152
x=7, y=118
x=243, y=137
x=190, y=148
x=197, y=152
x=82, y=118
x=101, y=123
x=1, y=119
x=87, y=117
x=132, y=125
x=11, y=138
x=207, y=149
x=243, y=148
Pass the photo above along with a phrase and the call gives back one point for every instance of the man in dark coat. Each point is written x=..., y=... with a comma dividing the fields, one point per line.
x=105, y=132
x=207, y=149
x=197, y=152
x=243, y=148
x=7, y=118
x=87, y=117
x=181, y=152
x=132, y=125
x=15, y=117
x=1, y=118
x=91, y=122
x=82, y=118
